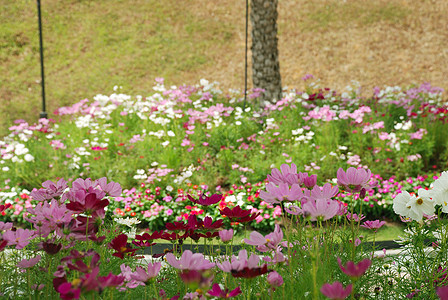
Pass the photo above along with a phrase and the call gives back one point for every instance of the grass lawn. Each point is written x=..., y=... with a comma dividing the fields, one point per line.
x=91, y=46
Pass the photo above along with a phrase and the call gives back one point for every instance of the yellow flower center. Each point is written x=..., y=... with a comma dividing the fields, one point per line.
x=419, y=201
x=76, y=282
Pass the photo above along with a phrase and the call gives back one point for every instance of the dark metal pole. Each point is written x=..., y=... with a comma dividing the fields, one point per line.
x=245, y=58
x=43, y=114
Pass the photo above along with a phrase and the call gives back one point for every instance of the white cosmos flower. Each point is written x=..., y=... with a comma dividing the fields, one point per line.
x=414, y=207
x=423, y=204
x=439, y=192
x=28, y=157
x=401, y=206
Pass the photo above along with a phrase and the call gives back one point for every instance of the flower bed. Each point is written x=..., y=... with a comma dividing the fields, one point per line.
x=75, y=251
x=163, y=146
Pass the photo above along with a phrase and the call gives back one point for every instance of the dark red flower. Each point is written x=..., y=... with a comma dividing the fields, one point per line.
x=176, y=226
x=4, y=207
x=235, y=213
x=208, y=235
x=79, y=265
x=149, y=237
x=209, y=224
x=121, y=246
x=176, y=236
x=97, y=239
x=249, y=218
x=238, y=214
x=251, y=272
x=3, y=244
x=51, y=248
x=204, y=200
x=92, y=206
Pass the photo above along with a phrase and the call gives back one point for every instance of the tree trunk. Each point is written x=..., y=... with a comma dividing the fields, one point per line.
x=265, y=64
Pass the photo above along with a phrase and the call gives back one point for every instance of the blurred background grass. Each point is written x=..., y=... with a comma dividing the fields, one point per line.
x=93, y=45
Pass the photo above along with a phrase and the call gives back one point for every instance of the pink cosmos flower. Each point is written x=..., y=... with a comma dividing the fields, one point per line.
x=294, y=210
x=226, y=235
x=264, y=243
x=275, y=279
x=240, y=262
x=287, y=175
x=20, y=237
x=28, y=263
x=354, y=180
x=324, y=193
x=145, y=276
x=51, y=190
x=112, y=188
x=336, y=290
x=375, y=225
x=355, y=270
x=127, y=273
x=320, y=209
x=189, y=261
x=281, y=193
x=5, y=226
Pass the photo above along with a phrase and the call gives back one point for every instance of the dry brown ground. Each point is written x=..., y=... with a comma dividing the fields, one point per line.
x=381, y=42
x=91, y=45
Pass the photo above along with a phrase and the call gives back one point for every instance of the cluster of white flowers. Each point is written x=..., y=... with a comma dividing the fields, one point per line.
x=129, y=222
x=16, y=152
x=302, y=138
x=184, y=175
x=9, y=197
x=404, y=126
x=74, y=165
x=237, y=200
x=415, y=207
x=141, y=175
x=390, y=93
x=270, y=124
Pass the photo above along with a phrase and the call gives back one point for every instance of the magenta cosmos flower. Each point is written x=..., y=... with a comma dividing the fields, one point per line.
x=355, y=270
x=308, y=181
x=336, y=290
x=189, y=261
x=354, y=180
x=216, y=291
x=442, y=292
x=374, y=225
x=204, y=200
